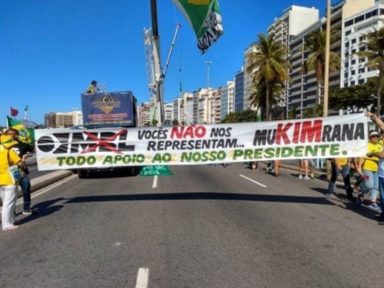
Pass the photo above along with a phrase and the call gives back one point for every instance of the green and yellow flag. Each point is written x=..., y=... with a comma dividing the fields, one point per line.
x=204, y=16
x=26, y=135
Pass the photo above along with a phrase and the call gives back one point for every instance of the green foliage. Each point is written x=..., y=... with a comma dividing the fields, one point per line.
x=374, y=52
x=243, y=116
x=154, y=122
x=355, y=97
x=315, y=45
x=268, y=67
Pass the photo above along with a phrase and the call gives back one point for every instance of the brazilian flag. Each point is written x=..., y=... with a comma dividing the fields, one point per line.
x=26, y=135
x=205, y=18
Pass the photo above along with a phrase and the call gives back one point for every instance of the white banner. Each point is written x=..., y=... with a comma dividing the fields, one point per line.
x=339, y=136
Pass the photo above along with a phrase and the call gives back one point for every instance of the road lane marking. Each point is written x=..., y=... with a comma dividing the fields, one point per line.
x=154, y=185
x=142, y=278
x=253, y=181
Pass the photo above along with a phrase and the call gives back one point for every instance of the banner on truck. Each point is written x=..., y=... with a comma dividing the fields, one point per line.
x=330, y=137
x=113, y=108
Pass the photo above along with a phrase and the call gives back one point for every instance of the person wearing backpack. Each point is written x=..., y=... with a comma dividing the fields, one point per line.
x=8, y=182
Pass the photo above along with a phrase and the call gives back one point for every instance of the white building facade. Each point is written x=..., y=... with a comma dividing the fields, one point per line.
x=354, y=69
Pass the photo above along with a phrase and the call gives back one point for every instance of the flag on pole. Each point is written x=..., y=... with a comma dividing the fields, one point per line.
x=14, y=112
x=26, y=135
x=205, y=18
x=25, y=112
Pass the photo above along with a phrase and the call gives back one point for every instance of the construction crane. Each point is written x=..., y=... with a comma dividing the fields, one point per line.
x=178, y=26
x=156, y=75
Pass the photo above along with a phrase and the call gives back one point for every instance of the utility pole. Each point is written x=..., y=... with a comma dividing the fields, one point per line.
x=327, y=54
x=208, y=71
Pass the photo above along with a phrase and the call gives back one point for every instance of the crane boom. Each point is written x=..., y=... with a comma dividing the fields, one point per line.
x=170, y=50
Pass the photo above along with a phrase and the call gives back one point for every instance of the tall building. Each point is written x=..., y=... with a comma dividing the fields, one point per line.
x=293, y=21
x=188, y=110
x=227, y=99
x=168, y=114
x=144, y=114
x=206, y=106
x=239, y=91
x=248, y=89
x=183, y=108
x=177, y=105
x=303, y=88
x=354, y=69
x=215, y=99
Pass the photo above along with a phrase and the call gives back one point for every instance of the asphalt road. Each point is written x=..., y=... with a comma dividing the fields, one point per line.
x=204, y=226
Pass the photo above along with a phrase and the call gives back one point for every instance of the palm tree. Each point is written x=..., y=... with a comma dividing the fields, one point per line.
x=315, y=45
x=374, y=51
x=268, y=69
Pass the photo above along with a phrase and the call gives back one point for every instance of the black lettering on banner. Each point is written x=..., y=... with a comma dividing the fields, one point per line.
x=264, y=137
x=152, y=134
x=221, y=132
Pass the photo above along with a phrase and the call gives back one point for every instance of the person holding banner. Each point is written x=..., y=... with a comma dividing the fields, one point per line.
x=370, y=166
x=379, y=123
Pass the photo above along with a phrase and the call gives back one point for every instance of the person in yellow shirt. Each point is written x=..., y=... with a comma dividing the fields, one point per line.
x=369, y=167
x=8, y=186
x=92, y=88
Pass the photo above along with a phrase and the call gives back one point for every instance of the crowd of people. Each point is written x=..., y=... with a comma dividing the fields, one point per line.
x=362, y=176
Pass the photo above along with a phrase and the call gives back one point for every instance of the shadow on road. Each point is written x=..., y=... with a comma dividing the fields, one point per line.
x=203, y=196
x=362, y=210
x=43, y=209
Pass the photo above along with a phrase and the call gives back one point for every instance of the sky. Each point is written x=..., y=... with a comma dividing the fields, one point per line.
x=50, y=50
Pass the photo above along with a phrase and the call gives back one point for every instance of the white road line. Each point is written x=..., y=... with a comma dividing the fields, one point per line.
x=253, y=181
x=142, y=278
x=154, y=185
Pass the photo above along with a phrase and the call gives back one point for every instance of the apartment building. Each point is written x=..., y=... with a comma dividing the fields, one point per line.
x=206, y=106
x=354, y=69
x=227, y=93
x=144, y=114
x=183, y=108
x=63, y=119
x=303, y=88
x=248, y=78
x=215, y=99
x=293, y=21
x=168, y=114
x=239, y=91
